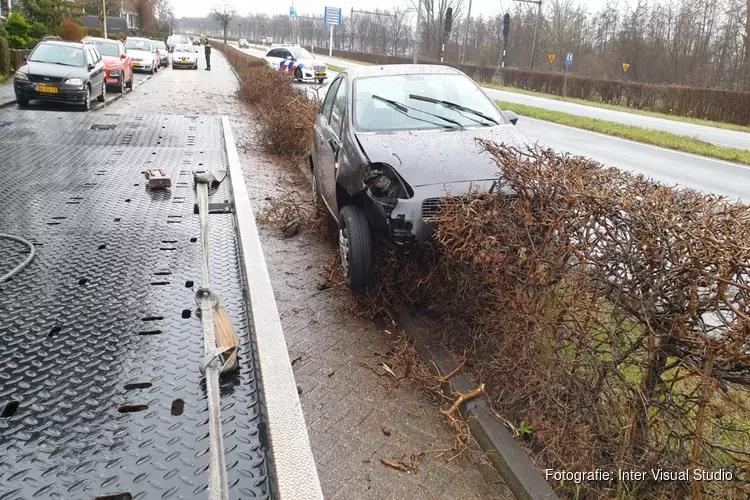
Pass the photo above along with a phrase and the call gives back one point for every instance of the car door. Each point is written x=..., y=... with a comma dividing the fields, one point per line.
x=127, y=63
x=95, y=69
x=274, y=58
x=327, y=144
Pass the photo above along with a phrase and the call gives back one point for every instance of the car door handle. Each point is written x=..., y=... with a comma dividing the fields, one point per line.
x=334, y=145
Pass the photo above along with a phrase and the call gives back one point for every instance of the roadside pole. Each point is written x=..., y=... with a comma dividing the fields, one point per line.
x=104, y=17
x=568, y=63
x=466, y=34
x=446, y=32
x=331, y=17
x=536, y=28
x=506, y=32
x=418, y=34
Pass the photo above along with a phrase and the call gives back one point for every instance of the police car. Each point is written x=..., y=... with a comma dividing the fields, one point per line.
x=296, y=61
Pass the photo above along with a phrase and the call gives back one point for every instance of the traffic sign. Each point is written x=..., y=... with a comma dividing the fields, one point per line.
x=569, y=59
x=625, y=66
x=332, y=16
x=292, y=12
x=551, y=58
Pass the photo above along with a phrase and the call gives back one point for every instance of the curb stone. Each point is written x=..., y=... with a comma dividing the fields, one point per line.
x=513, y=464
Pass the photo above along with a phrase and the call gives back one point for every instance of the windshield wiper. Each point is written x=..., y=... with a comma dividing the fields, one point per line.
x=53, y=62
x=453, y=105
x=403, y=108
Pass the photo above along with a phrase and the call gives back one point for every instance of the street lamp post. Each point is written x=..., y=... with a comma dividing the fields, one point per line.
x=418, y=35
x=104, y=17
x=466, y=33
x=536, y=28
x=240, y=24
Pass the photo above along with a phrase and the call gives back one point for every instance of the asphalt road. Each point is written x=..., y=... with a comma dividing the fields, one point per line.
x=138, y=80
x=668, y=166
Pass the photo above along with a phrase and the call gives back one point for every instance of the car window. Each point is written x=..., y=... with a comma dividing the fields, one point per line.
x=274, y=53
x=184, y=48
x=132, y=44
x=339, y=109
x=300, y=53
x=371, y=114
x=58, y=54
x=106, y=48
x=90, y=55
x=328, y=103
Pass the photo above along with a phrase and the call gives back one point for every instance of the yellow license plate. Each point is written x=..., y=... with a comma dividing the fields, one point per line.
x=320, y=73
x=47, y=89
x=185, y=62
x=136, y=65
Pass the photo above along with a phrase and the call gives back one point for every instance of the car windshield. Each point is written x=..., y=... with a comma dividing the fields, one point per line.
x=374, y=114
x=300, y=53
x=107, y=48
x=57, y=54
x=174, y=39
x=161, y=45
x=185, y=48
x=138, y=45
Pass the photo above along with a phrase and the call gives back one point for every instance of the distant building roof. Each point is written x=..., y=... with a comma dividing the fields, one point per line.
x=114, y=24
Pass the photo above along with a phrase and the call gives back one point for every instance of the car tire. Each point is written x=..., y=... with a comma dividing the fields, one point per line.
x=298, y=74
x=87, y=100
x=103, y=96
x=130, y=82
x=22, y=102
x=316, y=199
x=121, y=88
x=321, y=80
x=355, y=247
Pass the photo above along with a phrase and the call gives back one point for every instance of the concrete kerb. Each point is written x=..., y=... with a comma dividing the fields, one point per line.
x=513, y=464
x=296, y=475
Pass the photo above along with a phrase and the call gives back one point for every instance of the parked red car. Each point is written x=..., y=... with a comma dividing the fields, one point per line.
x=117, y=62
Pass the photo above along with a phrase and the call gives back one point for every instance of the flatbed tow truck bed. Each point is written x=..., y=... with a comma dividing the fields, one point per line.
x=101, y=396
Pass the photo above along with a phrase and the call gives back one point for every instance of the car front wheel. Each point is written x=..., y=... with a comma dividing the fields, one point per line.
x=355, y=247
x=103, y=96
x=87, y=99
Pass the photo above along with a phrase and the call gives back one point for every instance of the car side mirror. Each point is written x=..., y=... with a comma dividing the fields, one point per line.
x=25, y=58
x=91, y=66
x=511, y=116
x=123, y=56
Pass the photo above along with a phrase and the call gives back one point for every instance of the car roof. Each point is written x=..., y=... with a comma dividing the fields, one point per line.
x=98, y=39
x=401, y=69
x=140, y=38
x=78, y=45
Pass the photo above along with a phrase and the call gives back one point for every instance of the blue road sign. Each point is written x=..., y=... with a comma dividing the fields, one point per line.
x=292, y=12
x=332, y=16
x=569, y=59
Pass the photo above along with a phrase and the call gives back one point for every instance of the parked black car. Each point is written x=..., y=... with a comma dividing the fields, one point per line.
x=390, y=143
x=60, y=71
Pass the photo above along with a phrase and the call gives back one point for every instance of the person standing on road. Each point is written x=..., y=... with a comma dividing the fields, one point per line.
x=207, y=49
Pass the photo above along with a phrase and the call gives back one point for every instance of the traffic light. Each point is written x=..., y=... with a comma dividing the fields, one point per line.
x=506, y=26
x=448, y=20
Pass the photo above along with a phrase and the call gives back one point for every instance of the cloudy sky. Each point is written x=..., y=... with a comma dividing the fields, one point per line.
x=193, y=8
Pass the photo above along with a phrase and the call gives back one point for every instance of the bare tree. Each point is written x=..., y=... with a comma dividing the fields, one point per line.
x=224, y=14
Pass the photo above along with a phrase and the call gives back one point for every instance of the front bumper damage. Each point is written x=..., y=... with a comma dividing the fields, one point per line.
x=413, y=220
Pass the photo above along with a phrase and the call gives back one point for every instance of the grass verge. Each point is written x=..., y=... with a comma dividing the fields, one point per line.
x=646, y=136
x=337, y=69
x=624, y=109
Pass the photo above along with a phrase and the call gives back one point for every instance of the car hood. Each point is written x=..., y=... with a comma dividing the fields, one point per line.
x=54, y=70
x=139, y=54
x=188, y=55
x=425, y=157
x=112, y=62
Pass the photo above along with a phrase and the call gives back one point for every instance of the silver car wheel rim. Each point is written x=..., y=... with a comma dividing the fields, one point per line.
x=344, y=250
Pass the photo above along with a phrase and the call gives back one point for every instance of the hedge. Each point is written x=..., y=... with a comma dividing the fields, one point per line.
x=5, y=67
x=727, y=106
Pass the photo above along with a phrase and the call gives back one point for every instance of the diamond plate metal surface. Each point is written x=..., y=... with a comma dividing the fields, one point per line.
x=100, y=392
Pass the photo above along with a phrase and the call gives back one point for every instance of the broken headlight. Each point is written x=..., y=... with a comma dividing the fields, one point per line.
x=384, y=182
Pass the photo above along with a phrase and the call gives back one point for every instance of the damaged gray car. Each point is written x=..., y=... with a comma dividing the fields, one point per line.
x=389, y=143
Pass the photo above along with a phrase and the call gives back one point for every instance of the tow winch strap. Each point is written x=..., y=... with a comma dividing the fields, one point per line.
x=212, y=363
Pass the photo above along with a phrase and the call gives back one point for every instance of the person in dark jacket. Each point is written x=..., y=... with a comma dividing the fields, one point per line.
x=207, y=49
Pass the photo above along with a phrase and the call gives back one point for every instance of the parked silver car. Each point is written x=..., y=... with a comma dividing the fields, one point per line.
x=163, y=51
x=185, y=56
